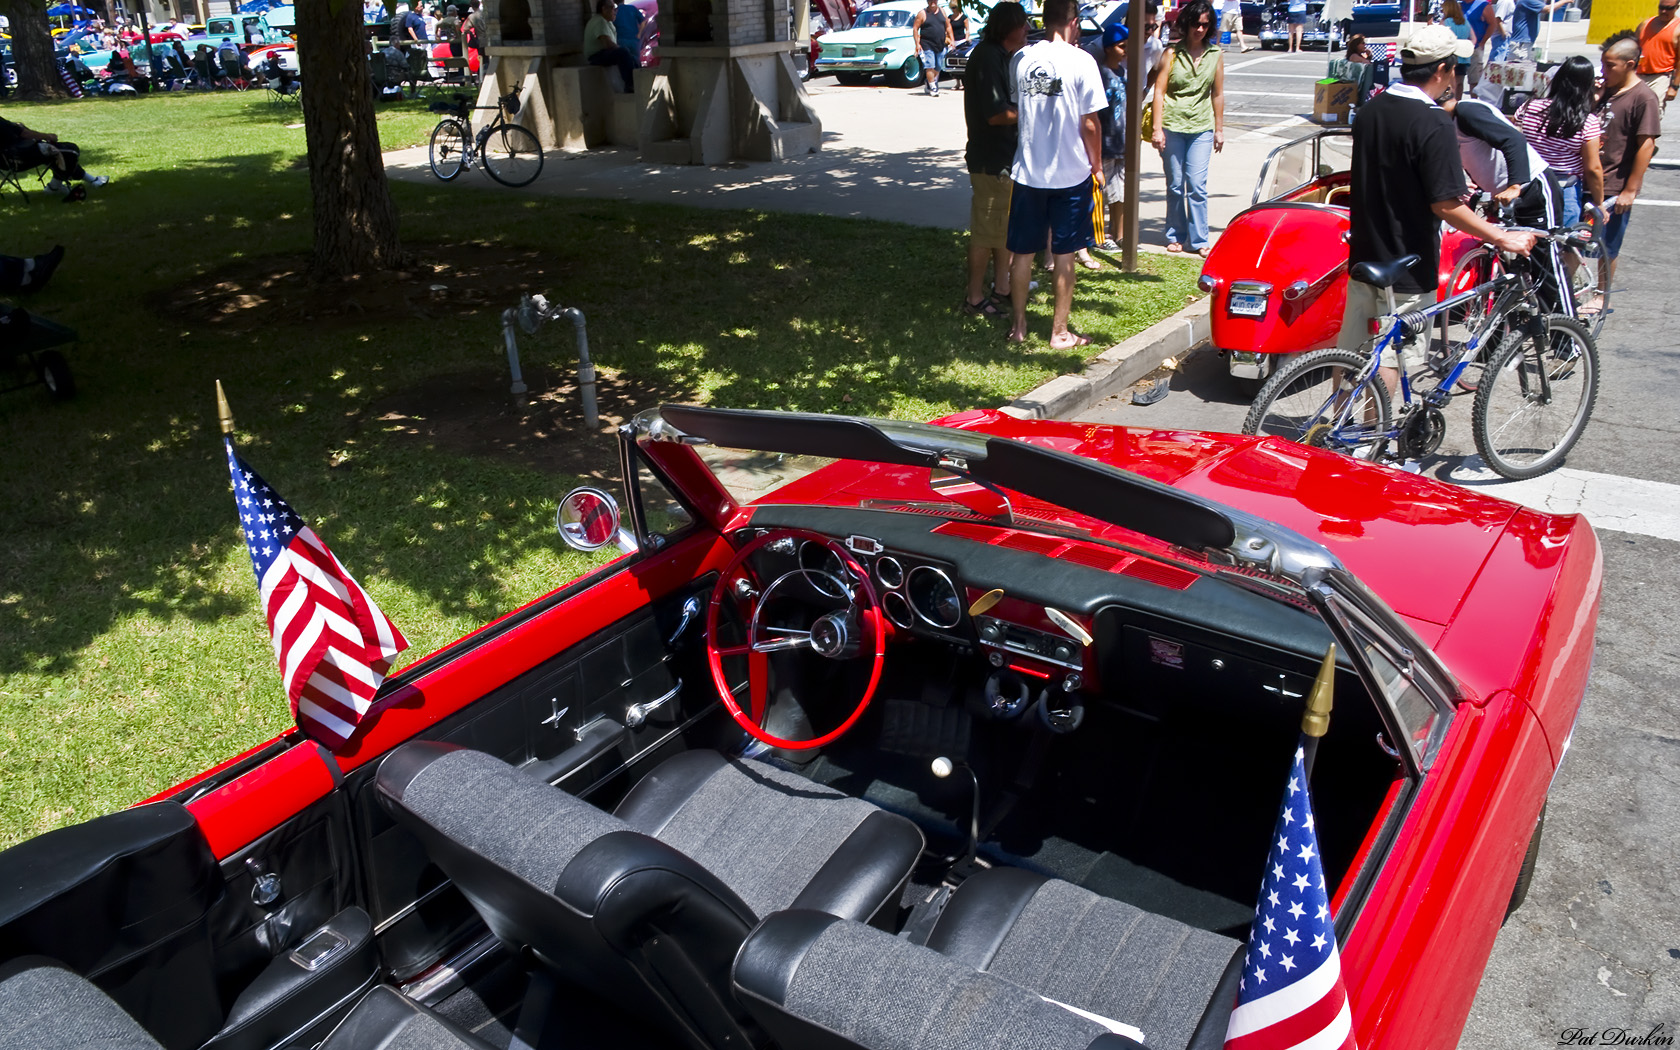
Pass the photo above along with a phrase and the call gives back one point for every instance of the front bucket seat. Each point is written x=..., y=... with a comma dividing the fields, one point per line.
x=649, y=905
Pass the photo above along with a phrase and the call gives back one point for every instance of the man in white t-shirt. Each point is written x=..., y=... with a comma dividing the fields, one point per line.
x=1058, y=94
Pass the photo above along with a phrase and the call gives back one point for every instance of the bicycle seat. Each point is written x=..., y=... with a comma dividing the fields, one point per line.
x=1383, y=275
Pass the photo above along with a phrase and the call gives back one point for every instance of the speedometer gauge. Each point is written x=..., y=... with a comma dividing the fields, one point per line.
x=934, y=597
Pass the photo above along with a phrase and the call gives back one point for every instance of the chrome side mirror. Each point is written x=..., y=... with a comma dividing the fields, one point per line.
x=588, y=519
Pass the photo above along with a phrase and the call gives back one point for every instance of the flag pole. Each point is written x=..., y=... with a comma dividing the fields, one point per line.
x=1316, y=721
x=222, y=410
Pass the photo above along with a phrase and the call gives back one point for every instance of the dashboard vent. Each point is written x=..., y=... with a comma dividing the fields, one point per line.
x=1096, y=557
x=1158, y=573
x=1161, y=575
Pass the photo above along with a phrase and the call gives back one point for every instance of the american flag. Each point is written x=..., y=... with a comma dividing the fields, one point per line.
x=333, y=644
x=1291, y=993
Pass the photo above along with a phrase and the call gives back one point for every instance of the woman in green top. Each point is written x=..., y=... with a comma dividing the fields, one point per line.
x=1189, y=120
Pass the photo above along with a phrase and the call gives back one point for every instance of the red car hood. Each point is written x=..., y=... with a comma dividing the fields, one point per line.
x=1417, y=542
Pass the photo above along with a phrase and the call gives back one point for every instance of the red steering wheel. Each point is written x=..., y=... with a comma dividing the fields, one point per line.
x=828, y=636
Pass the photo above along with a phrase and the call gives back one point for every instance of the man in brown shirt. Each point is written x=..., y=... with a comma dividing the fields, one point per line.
x=1632, y=116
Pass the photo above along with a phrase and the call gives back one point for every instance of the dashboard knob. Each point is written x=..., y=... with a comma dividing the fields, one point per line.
x=1071, y=683
x=1064, y=652
x=991, y=631
x=995, y=659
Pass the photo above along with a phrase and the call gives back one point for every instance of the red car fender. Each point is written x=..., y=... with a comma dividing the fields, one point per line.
x=1545, y=658
x=1417, y=953
x=1279, y=243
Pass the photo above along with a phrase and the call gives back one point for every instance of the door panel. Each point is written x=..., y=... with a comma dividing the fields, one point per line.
x=574, y=704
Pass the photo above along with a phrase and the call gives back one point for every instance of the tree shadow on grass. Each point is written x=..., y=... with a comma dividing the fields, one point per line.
x=115, y=504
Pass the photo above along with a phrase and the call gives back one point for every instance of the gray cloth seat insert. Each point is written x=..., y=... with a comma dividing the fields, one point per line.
x=764, y=832
x=46, y=1007
x=809, y=982
x=1112, y=959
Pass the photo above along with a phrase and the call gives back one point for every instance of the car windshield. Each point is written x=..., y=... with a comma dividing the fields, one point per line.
x=882, y=20
x=878, y=464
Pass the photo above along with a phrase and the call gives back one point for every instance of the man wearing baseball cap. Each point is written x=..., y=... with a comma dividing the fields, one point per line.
x=1407, y=179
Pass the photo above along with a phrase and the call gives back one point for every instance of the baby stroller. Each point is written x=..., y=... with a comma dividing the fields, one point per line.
x=29, y=355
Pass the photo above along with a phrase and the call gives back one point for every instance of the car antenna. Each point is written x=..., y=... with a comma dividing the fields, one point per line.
x=1316, y=721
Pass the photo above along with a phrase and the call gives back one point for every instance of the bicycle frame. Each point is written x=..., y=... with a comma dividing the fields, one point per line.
x=1514, y=291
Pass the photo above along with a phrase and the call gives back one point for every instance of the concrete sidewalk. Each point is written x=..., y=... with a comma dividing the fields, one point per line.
x=887, y=154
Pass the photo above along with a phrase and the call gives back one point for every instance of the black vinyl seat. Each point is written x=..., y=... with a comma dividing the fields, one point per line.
x=1383, y=275
x=1016, y=959
x=648, y=906
x=44, y=1006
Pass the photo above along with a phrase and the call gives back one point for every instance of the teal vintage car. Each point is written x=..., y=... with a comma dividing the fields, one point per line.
x=878, y=42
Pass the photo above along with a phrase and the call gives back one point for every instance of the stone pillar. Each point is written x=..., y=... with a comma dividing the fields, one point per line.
x=726, y=87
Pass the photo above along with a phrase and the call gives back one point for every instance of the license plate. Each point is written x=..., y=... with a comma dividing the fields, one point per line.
x=848, y=52
x=1244, y=304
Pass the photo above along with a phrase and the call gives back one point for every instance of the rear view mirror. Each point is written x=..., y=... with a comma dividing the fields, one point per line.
x=588, y=520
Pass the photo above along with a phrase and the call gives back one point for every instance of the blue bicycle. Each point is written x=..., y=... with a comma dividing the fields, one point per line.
x=1534, y=375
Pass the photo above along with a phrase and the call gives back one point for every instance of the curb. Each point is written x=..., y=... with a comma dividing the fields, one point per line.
x=1116, y=368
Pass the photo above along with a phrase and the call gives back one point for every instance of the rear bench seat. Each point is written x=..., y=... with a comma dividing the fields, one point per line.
x=43, y=1006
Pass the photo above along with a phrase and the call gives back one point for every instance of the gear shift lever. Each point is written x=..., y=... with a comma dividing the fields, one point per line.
x=966, y=865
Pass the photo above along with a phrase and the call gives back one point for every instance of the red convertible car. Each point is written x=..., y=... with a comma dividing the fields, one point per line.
x=883, y=735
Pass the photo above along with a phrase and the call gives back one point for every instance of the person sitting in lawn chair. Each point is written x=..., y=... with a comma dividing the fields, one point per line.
x=275, y=74
x=23, y=149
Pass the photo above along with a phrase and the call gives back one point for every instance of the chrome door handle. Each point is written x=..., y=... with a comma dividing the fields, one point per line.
x=690, y=609
x=636, y=714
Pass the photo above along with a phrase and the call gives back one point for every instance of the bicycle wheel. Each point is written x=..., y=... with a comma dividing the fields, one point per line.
x=449, y=149
x=1520, y=431
x=1313, y=400
x=1583, y=264
x=512, y=155
x=1457, y=326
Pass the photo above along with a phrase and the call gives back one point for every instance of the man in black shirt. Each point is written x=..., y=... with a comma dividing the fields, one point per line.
x=1406, y=180
x=992, y=133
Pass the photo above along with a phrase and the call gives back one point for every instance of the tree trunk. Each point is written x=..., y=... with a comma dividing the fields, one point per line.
x=355, y=220
x=32, y=51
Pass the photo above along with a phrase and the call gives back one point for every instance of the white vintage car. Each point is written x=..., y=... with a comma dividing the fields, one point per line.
x=880, y=41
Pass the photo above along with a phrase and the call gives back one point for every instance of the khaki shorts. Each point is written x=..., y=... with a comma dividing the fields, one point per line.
x=1114, y=181
x=1658, y=82
x=1364, y=302
x=988, y=213
x=1231, y=23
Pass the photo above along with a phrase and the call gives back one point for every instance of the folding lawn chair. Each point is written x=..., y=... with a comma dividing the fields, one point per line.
x=28, y=354
x=19, y=165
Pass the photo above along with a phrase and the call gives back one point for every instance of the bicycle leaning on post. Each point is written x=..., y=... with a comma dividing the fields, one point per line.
x=1534, y=391
x=510, y=153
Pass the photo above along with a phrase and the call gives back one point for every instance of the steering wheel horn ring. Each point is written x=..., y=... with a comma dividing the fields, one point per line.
x=832, y=635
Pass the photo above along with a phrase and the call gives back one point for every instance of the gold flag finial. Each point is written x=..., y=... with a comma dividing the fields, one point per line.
x=1316, y=722
x=222, y=409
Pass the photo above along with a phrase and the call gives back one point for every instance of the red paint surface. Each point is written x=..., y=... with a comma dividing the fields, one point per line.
x=452, y=686
x=1281, y=245
x=248, y=807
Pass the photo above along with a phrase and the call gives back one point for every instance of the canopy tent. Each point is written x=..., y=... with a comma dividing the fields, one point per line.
x=70, y=10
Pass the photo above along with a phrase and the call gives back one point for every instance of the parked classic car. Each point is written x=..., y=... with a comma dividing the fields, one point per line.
x=879, y=41
x=1007, y=688
x=1277, y=278
x=1327, y=31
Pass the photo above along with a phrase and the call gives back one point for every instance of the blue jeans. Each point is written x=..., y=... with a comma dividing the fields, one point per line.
x=617, y=56
x=1572, y=196
x=1186, y=158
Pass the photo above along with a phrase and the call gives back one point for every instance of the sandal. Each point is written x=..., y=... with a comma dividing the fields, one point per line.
x=986, y=307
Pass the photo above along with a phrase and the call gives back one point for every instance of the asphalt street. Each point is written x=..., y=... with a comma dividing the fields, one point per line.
x=1597, y=945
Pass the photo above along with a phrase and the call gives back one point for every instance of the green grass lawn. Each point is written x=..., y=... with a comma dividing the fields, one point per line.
x=133, y=652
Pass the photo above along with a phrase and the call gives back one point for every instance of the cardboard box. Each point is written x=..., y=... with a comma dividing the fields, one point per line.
x=1333, y=101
